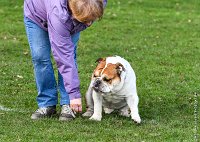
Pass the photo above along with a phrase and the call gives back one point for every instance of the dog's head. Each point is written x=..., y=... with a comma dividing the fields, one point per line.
x=107, y=77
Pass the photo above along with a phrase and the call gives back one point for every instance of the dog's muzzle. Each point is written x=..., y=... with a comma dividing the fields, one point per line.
x=96, y=85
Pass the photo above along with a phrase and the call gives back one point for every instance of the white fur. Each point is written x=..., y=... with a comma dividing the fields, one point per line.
x=121, y=96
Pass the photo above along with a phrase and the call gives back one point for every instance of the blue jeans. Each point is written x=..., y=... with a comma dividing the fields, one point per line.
x=43, y=70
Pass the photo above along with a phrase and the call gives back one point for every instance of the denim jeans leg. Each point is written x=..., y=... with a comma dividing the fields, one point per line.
x=41, y=57
x=64, y=97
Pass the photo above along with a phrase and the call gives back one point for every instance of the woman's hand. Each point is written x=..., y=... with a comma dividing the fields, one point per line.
x=76, y=105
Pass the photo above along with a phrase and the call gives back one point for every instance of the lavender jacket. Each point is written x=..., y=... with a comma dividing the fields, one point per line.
x=54, y=16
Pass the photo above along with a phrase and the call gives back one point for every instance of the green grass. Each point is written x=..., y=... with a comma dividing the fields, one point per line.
x=159, y=38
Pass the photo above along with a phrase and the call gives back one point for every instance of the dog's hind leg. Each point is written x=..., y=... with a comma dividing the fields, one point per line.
x=124, y=111
x=108, y=110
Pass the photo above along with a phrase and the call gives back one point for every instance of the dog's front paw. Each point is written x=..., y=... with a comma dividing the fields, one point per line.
x=87, y=114
x=136, y=119
x=95, y=117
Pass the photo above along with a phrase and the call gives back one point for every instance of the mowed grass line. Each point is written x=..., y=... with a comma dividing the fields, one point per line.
x=159, y=38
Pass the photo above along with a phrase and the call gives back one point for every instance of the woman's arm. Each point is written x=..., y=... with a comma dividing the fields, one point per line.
x=63, y=52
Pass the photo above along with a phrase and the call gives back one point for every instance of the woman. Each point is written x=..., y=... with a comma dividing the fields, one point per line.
x=55, y=25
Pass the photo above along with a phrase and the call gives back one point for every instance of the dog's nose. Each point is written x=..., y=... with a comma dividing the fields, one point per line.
x=97, y=83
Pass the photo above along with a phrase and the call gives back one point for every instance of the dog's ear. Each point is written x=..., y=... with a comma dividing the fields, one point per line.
x=119, y=68
x=99, y=60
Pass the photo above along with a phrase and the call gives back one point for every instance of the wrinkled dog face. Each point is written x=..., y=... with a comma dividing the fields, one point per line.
x=106, y=76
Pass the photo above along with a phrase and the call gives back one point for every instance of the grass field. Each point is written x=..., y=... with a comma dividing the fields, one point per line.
x=160, y=38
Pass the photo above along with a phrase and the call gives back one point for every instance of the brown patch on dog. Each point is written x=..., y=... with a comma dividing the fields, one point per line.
x=100, y=66
x=99, y=60
x=111, y=74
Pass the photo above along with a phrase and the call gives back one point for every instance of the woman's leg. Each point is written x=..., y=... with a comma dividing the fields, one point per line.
x=43, y=70
x=64, y=100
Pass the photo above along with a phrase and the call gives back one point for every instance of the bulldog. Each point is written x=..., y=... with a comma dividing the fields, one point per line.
x=112, y=87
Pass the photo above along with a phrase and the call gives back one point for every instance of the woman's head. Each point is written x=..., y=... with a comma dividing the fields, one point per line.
x=86, y=11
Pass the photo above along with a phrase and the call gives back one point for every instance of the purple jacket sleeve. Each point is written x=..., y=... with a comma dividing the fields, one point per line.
x=104, y=3
x=63, y=52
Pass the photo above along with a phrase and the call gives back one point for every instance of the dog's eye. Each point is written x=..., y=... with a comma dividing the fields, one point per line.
x=106, y=79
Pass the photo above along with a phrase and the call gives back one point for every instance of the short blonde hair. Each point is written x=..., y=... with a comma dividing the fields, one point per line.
x=86, y=10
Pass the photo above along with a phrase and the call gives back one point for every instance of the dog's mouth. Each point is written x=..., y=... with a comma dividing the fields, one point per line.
x=97, y=89
x=100, y=87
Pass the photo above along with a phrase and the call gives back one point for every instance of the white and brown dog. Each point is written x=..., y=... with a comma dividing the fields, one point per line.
x=113, y=87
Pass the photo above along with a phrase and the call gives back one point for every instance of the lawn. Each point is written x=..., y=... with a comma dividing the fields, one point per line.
x=161, y=41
